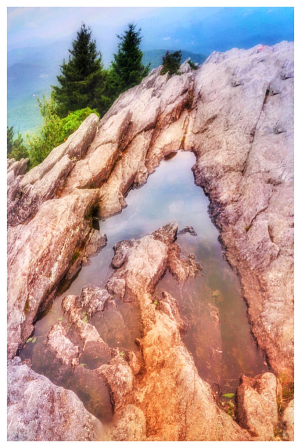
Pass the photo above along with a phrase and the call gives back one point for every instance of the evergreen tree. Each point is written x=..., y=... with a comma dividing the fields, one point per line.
x=171, y=62
x=15, y=147
x=82, y=79
x=127, y=69
x=10, y=139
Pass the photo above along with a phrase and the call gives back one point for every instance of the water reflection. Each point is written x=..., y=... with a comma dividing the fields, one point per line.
x=218, y=335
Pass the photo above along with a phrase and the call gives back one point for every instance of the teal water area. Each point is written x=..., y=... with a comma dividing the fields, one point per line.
x=218, y=333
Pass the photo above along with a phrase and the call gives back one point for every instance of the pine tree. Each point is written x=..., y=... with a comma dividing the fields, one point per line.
x=127, y=69
x=171, y=62
x=10, y=139
x=15, y=147
x=82, y=79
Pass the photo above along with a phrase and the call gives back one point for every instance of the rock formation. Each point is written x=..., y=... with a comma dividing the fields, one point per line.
x=236, y=114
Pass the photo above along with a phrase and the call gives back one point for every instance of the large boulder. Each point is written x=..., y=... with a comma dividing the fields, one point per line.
x=40, y=411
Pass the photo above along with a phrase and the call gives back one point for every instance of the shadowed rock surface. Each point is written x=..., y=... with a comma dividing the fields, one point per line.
x=236, y=114
x=288, y=422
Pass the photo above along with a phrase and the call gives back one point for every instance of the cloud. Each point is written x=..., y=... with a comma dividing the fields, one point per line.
x=166, y=38
x=31, y=24
x=175, y=206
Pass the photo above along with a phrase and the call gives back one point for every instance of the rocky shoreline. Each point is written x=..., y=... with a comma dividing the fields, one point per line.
x=236, y=114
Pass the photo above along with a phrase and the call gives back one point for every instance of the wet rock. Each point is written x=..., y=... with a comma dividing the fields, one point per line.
x=121, y=250
x=169, y=306
x=40, y=411
x=92, y=389
x=61, y=346
x=186, y=409
x=166, y=234
x=119, y=377
x=183, y=268
x=257, y=409
x=188, y=229
x=39, y=255
x=96, y=241
x=95, y=350
x=116, y=287
x=112, y=328
x=129, y=425
x=93, y=299
x=288, y=422
x=135, y=362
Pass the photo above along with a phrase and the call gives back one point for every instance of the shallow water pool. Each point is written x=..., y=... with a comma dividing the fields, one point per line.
x=218, y=333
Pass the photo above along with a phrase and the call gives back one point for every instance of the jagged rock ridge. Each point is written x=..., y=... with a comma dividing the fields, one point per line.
x=236, y=114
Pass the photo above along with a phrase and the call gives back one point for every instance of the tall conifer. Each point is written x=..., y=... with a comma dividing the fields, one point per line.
x=127, y=69
x=82, y=79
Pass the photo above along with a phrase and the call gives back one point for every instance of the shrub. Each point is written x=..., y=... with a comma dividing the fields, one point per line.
x=54, y=130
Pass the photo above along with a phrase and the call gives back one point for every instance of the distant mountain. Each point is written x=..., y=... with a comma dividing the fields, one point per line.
x=155, y=57
x=31, y=69
x=226, y=28
x=27, y=80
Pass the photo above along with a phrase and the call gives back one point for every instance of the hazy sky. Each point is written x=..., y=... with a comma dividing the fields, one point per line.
x=55, y=23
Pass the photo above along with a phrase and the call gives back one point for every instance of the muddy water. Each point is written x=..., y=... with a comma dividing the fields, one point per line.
x=218, y=334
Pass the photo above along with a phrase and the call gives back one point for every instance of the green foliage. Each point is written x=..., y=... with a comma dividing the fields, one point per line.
x=230, y=395
x=82, y=79
x=171, y=63
x=192, y=65
x=54, y=129
x=127, y=69
x=75, y=256
x=10, y=141
x=15, y=148
x=155, y=57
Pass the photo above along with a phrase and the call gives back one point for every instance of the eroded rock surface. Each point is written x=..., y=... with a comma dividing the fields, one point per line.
x=236, y=114
x=241, y=130
x=40, y=411
x=39, y=255
x=93, y=345
x=43, y=182
x=257, y=405
x=61, y=346
x=186, y=409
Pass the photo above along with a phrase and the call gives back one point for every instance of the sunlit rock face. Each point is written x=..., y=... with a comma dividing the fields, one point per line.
x=235, y=113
